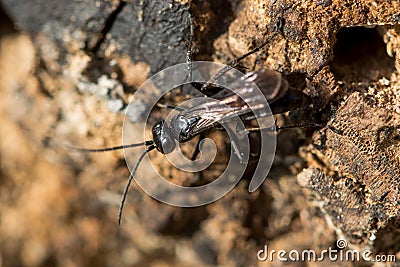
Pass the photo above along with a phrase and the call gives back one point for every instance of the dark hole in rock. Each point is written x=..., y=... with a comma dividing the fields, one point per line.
x=220, y=15
x=6, y=24
x=360, y=54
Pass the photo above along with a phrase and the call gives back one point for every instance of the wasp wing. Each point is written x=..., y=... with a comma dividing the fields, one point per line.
x=242, y=100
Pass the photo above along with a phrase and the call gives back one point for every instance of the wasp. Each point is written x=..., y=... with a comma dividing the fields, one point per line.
x=225, y=105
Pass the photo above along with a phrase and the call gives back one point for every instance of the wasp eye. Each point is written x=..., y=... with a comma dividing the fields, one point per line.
x=163, y=138
x=167, y=144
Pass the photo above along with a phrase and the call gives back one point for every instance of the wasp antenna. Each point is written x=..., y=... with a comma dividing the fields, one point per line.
x=146, y=143
x=128, y=183
x=189, y=52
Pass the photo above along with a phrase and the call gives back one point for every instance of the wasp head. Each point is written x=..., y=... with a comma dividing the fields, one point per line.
x=162, y=137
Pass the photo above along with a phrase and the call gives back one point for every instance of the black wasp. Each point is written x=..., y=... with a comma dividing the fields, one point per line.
x=200, y=119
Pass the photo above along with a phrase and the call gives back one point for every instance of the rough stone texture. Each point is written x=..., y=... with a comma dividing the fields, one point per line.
x=159, y=39
x=70, y=82
x=357, y=176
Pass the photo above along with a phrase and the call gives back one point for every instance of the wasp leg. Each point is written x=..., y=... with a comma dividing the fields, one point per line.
x=284, y=127
x=161, y=105
x=197, y=148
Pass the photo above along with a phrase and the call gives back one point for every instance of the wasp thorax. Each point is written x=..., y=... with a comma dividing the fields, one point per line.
x=162, y=138
x=179, y=126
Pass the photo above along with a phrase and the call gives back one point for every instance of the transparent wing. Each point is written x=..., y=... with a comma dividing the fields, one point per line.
x=227, y=104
